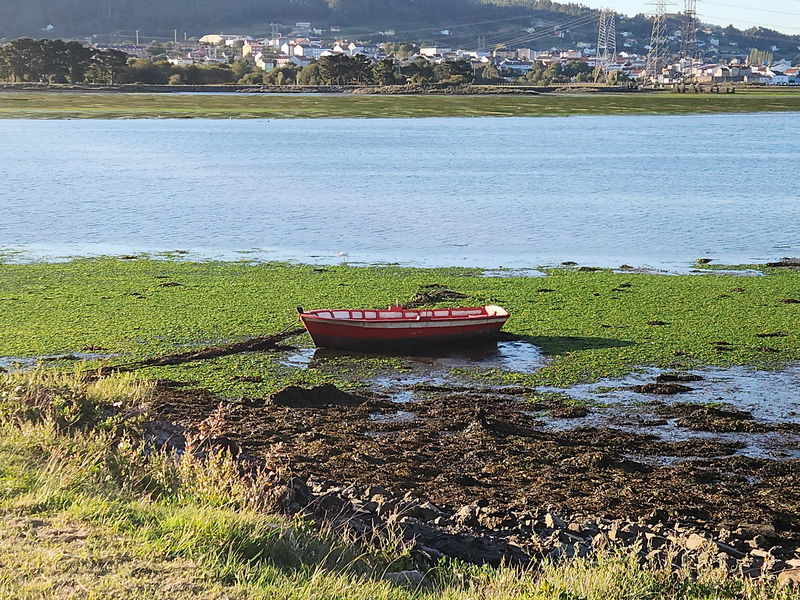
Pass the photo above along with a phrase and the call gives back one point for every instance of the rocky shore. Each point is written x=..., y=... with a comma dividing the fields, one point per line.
x=598, y=500
x=481, y=533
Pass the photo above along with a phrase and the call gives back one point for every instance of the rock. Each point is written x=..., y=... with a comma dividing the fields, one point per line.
x=570, y=538
x=569, y=411
x=654, y=542
x=467, y=515
x=789, y=578
x=618, y=534
x=360, y=506
x=427, y=511
x=656, y=516
x=405, y=578
x=777, y=566
x=320, y=396
x=385, y=507
x=786, y=261
x=578, y=529
x=759, y=541
x=553, y=521
x=754, y=529
x=696, y=541
x=600, y=541
x=661, y=388
x=677, y=377
x=375, y=490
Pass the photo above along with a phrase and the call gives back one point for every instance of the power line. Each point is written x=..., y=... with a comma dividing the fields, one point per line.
x=438, y=28
x=535, y=36
x=755, y=8
x=729, y=19
x=561, y=23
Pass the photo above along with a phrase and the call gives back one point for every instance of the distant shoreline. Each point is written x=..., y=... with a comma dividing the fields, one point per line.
x=391, y=90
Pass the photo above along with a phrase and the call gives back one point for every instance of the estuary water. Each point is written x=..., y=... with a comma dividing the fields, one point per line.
x=655, y=191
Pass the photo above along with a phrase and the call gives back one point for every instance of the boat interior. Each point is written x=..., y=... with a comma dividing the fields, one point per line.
x=397, y=312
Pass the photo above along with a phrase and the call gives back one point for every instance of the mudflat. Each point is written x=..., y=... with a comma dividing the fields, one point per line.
x=73, y=105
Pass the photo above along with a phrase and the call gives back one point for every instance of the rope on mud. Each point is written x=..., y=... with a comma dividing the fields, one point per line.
x=268, y=342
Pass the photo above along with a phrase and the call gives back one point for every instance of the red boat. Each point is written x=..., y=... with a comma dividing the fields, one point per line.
x=398, y=327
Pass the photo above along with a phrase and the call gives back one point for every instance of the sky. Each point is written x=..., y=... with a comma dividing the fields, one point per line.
x=781, y=15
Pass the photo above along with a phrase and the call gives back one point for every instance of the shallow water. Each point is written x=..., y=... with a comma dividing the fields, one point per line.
x=487, y=192
x=770, y=396
x=21, y=363
x=424, y=369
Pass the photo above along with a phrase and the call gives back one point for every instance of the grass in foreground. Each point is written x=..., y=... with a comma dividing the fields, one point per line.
x=220, y=106
x=590, y=325
x=87, y=514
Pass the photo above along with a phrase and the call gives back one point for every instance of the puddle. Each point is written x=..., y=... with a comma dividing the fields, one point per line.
x=772, y=397
x=424, y=370
x=300, y=358
x=509, y=355
x=493, y=273
x=731, y=272
x=692, y=271
x=400, y=416
x=18, y=363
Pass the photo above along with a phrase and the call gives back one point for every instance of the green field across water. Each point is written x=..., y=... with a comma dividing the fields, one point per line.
x=588, y=324
x=70, y=105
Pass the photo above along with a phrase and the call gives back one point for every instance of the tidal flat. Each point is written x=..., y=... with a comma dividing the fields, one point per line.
x=587, y=324
x=146, y=348
x=72, y=105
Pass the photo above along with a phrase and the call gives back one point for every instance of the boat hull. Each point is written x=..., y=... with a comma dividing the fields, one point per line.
x=391, y=336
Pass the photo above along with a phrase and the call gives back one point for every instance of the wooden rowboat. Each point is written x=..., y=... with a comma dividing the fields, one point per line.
x=396, y=326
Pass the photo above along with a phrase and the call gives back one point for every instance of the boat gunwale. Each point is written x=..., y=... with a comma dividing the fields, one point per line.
x=484, y=315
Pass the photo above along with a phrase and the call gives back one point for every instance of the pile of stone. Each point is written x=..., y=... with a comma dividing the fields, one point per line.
x=479, y=533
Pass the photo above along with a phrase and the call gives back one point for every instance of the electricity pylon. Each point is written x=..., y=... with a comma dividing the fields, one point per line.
x=689, y=31
x=606, y=44
x=659, y=44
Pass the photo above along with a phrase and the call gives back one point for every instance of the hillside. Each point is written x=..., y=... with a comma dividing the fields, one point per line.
x=515, y=23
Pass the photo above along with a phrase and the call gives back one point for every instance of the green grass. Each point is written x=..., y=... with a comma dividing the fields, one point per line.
x=86, y=514
x=64, y=105
x=587, y=325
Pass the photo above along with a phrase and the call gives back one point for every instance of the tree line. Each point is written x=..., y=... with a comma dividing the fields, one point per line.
x=57, y=61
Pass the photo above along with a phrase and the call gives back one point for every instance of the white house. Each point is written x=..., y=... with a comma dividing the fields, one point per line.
x=308, y=51
x=180, y=61
x=519, y=67
x=431, y=51
x=369, y=50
